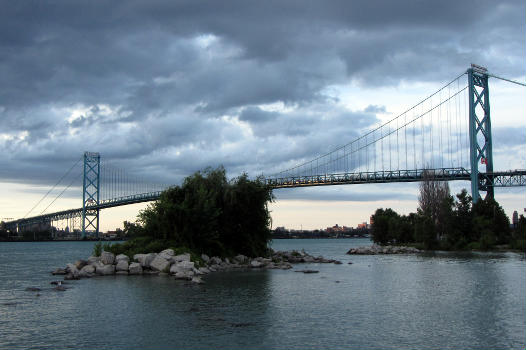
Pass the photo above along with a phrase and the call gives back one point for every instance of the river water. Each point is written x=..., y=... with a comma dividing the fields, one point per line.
x=428, y=301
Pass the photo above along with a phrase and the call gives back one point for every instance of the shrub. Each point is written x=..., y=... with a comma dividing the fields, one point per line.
x=97, y=249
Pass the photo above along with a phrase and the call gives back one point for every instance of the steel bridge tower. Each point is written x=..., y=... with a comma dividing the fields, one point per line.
x=481, y=149
x=90, y=193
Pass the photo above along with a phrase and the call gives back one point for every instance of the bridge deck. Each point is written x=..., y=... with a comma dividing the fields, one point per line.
x=500, y=179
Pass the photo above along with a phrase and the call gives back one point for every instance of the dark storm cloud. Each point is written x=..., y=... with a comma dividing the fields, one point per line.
x=167, y=88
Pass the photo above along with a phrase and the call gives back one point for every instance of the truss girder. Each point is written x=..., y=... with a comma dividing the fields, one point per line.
x=90, y=193
x=500, y=179
x=481, y=150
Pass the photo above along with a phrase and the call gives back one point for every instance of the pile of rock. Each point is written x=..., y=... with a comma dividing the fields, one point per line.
x=387, y=249
x=180, y=266
x=301, y=257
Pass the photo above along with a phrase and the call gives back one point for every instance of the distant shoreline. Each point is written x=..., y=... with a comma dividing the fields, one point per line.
x=121, y=240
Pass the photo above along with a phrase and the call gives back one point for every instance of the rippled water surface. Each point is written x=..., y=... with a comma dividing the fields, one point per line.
x=440, y=300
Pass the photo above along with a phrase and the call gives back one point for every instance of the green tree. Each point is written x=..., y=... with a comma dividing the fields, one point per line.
x=210, y=214
x=490, y=221
x=385, y=223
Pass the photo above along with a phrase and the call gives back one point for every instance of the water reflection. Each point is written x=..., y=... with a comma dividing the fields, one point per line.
x=431, y=300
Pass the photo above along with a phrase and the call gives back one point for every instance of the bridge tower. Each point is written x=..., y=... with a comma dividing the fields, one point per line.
x=481, y=152
x=90, y=193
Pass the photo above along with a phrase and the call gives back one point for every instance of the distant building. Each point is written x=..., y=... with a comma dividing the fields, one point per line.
x=371, y=220
x=515, y=219
x=336, y=228
x=363, y=225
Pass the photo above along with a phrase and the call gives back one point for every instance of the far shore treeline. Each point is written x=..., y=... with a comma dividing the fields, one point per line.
x=206, y=214
x=445, y=223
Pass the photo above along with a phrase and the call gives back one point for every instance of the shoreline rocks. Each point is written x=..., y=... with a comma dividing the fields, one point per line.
x=181, y=266
x=388, y=249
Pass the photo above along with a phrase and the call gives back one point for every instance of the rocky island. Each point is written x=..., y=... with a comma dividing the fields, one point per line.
x=180, y=266
x=387, y=249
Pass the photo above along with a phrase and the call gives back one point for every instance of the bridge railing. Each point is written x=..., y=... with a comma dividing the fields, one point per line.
x=383, y=176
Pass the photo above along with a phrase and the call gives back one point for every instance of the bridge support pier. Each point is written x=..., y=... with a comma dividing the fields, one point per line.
x=481, y=150
x=90, y=193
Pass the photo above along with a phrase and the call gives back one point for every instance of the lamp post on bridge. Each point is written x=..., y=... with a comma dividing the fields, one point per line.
x=481, y=149
x=90, y=193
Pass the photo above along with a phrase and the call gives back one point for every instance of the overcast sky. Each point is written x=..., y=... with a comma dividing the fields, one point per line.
x=165, y=88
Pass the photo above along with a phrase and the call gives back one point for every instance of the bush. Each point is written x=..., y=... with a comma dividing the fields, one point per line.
x=97, y=249
x=519, y=244
x=487, y=241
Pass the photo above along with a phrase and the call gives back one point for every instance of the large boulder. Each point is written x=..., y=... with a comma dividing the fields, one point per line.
x=160, y=264
x=241, y=259
x=107, y=258
x=145, y=259
x=122, y=265
x=79, y=264
x=203, y=270
x=182, y=266
x=135, y=269
x=93, y=259
x=105, y=270
x=167, y=254
x=205, y=258
x=122, y=257
x=181, y=257
x=215, y=261
x=255, y=264
x=197, y=280
x=87, y=271
x=72, y=269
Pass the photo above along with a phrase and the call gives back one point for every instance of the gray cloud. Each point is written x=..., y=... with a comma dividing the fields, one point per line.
x=167, y=88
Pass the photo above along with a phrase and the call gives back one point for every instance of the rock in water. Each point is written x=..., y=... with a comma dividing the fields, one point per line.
x=159, y=263
x=215, y=261
x=73, y=272
x=33, y=289
x=87, y=271
x=308, y=271
x=241, y=259
x=79, y=264
x=181, y=257
x=167, y=254
x=122, y=265
x=105, y=270
x=197, y=280
x=145, y=259
x=135, y=269
x=93, y=259
x=59, y=272
x=107, y=258
x=255, y=264
x=182, y=266
x=122, y=257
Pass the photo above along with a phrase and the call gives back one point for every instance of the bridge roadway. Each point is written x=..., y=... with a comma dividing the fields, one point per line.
x=500, y=179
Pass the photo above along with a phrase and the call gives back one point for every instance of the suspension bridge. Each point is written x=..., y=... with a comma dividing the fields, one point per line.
x=447, y=136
